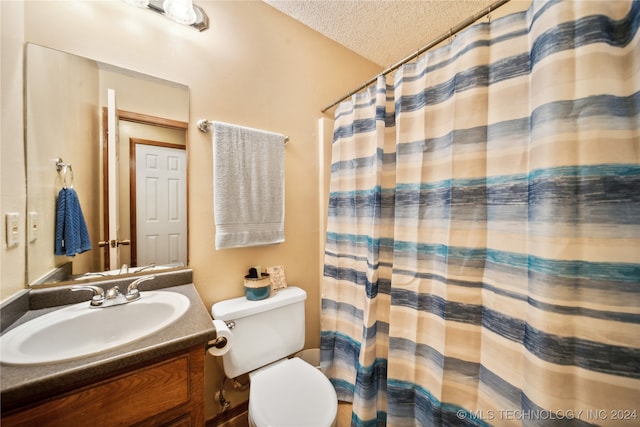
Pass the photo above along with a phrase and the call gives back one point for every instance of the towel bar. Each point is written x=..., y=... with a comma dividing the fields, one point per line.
x=204, y=126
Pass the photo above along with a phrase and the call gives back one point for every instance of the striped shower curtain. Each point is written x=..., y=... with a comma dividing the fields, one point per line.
x=482, y=261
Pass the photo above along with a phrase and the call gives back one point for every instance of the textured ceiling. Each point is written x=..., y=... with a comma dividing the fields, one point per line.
x=384, y=32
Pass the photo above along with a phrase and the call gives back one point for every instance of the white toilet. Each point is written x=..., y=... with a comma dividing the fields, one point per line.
x=283, y=392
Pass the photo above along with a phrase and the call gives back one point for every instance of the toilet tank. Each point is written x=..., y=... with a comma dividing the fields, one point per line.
x=264, y=331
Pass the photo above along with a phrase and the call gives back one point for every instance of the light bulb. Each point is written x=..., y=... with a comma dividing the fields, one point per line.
x=138, y=3
x=180, y=11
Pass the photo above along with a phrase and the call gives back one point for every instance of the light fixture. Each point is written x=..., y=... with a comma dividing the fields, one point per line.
x=137, y=3
x=181, y=11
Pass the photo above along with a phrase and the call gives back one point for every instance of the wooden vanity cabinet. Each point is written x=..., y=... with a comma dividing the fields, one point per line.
x=167, y=392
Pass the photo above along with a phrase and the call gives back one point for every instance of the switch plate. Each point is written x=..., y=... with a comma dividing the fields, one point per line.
x=34, y=223
x=13, y=229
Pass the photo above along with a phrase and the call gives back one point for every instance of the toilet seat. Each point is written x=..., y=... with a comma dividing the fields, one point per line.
x=292, y=394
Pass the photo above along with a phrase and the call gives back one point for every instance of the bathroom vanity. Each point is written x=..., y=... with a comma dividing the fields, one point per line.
x=157, y=380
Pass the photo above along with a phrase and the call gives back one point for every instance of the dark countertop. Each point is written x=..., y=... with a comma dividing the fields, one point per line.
x=21, y=385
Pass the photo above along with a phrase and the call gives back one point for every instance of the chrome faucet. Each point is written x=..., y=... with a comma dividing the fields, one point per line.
x=113, y=296
x=132, y=290
x=98, y=293
x=146, y=267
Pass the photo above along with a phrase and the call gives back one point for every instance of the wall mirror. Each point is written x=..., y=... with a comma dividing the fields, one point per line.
x=119, y=138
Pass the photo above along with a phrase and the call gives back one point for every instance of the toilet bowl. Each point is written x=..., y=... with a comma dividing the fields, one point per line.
x=291, y=394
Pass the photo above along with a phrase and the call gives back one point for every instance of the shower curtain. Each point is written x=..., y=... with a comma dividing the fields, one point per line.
x=482, y=262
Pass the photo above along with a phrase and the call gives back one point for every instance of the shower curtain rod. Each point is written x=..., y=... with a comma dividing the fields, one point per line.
x=453, y=30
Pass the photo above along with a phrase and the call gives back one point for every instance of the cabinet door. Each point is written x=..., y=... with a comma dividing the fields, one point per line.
x=124, y=400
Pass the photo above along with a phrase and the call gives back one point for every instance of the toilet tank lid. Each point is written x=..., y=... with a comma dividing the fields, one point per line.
x=237, y=308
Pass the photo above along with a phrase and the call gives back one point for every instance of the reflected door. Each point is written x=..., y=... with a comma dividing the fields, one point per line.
x=112, y=261
x=160, y=191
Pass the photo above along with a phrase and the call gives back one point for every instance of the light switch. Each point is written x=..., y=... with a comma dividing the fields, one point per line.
x=33, y=226
x=13, y=229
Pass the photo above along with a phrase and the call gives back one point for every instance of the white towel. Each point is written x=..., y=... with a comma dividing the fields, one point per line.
x=248, y=186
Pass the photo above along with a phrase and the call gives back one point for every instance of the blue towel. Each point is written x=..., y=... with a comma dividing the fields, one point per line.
x=72, y=236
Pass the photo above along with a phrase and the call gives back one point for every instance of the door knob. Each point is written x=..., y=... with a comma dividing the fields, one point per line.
x=114, y=243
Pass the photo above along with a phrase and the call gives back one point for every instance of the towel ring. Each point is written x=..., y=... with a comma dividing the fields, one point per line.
x=64, y=167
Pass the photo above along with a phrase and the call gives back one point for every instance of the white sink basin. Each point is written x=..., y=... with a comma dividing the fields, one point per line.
x=78, y=330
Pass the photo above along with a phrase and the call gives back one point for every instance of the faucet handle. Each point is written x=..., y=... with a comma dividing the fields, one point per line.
x=113, y=293
x=132, y=290
x=98, y=293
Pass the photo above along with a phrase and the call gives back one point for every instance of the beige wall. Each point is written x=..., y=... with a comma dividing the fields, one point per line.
x=254, y=67
x=144, y=94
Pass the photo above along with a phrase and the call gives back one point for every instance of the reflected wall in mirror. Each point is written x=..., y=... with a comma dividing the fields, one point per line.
x=65, y=96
